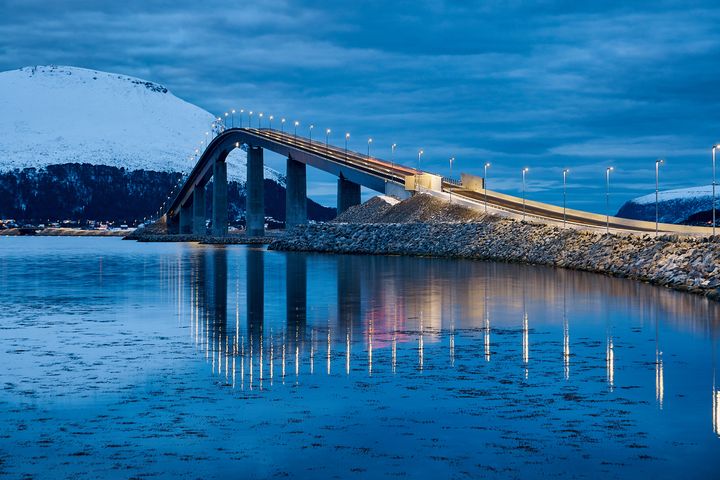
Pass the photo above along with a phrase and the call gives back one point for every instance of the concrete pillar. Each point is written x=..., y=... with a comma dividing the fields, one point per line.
x=220, y=200
x=348, y=194
x=255, y=204
x=199, y=211
x=186, y=218
x=172, y=224
x=295, y=194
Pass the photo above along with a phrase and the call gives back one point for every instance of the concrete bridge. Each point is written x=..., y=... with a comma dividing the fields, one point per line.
x=186, y=211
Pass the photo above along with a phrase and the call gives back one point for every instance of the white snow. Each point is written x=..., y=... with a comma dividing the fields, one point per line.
x=57, y=114
x=678, y=194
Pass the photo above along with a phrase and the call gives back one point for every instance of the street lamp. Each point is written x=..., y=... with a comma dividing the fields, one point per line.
x=452, y=159
x=270, y=118
x=487, y=165
x=311, y=127
x=392, y=157
x=232, y=118
x=296, y=125
x=715, y=147
x=658, y=162
x=565, y=172
x=420, y=154
x=607, y=198
x=282, y=125
x=250, y=119
x=242, y=110
x=327, y=134
x=225, y=120
x=347, y=135
x=369, y=142
x=260, y=115
x=524, y=171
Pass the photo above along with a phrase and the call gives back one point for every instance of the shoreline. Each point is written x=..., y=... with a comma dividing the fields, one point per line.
x=428, y=227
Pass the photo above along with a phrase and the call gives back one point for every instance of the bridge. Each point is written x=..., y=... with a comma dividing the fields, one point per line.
x=185, y=213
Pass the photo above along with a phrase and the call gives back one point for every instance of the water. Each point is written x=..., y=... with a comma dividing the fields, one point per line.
x=125, y=360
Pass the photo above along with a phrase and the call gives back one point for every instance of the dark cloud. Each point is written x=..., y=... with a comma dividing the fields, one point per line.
x=548, y=85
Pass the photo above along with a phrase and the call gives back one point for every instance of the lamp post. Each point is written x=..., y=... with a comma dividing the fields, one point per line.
x=232, y=118
x=310, y=130
x=327, y=135
x=524, y=171
x=282, y=125
x=260, y=115
x=250, y=119
x=242, y=110
x=347, y=135
x=565, y=172
x=270, y=119
x=420, y=154
x=452, y=159
x=392, y=158
x=607, y=199
x=369, y=143
x=486, y=166
x=715, y=147
x=657, y=194
x=225, y=120
x=296, y=125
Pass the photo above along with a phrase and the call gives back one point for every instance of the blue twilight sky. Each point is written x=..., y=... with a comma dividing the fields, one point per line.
x=541, y=84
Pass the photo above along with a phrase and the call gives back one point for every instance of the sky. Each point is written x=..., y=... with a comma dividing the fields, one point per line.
x=546, y=85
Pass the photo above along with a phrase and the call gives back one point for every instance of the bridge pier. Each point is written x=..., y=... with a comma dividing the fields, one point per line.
x=348, y=194
x=199, y=227
x=220, y=201
x=186, y=218
x=254, y=204
x=295, y=194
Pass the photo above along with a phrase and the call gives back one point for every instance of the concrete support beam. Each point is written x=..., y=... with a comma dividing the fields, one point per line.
x=348, y=194
x=295, y=194
x=220, y=200
x=172, y=224
x=255, y=204
x=199, y=227
x=186, y=218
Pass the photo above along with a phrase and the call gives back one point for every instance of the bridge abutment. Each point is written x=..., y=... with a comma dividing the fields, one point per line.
x=186, y=218
x=199, y=227
x=295, y=194
x=348, y=194
x=220, y=200
x=255, y=205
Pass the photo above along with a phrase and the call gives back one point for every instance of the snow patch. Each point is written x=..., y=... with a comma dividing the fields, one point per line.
x=57, y=114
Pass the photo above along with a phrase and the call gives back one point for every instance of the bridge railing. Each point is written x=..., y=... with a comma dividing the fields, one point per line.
x=452, y=181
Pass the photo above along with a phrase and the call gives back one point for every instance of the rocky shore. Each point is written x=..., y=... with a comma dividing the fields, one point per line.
x=427, y=226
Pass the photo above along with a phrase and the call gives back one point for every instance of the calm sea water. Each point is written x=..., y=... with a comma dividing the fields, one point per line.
x=121, y=360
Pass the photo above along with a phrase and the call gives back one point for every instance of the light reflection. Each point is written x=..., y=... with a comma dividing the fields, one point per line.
x=389, y=333
x=610, y=363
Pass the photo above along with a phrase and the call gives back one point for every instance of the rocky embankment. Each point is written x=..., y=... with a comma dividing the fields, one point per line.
x=426, y=226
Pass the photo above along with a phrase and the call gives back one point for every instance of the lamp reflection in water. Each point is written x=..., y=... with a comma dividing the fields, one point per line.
x=566, y=335
x=715, y=407
x=486, y=339
x=525, y=338
x=659, y=374
x=610, y=362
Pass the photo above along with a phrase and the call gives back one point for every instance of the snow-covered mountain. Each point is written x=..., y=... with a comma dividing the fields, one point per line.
x=685, y=205
x=54, y=115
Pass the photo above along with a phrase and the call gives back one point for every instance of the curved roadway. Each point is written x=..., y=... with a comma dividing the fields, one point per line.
x=396, y=173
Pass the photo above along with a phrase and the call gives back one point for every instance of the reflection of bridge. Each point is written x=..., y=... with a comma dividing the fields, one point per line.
x=186, y=211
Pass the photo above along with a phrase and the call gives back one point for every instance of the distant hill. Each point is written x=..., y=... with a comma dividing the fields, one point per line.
x=61, y=126
x=691, y=206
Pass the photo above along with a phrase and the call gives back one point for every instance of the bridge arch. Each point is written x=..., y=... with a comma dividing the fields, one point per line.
x=186, y=212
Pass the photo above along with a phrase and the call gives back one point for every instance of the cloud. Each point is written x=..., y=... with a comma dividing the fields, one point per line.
x=546, y=85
